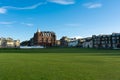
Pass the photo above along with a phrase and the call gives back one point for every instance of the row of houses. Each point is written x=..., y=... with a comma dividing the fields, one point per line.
x=96, y=41
x=48, y=39
x=71, y=42
x=9, y=43
x=106, y=41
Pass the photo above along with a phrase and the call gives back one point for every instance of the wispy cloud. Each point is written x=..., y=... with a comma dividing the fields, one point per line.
x=73, y=25
x=92, y=5
x=14, y=22
x=78, y=37
x=4, y=9
x=28, y=24
x=62, y=2
x=23, y=8
x=6, y=23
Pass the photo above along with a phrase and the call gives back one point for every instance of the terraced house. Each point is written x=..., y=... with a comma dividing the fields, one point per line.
x=106, y=41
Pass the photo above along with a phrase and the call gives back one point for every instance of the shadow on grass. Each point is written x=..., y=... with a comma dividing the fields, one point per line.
x=60, y=50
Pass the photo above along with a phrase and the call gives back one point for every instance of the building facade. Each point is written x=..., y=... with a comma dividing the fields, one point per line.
x=57, y=43
x=80, y=42
x=64, y=41
x=106, y=41
x=43, y=38
x=88, y=43
x=9, y=43
x=73, y=43
x=68, y=42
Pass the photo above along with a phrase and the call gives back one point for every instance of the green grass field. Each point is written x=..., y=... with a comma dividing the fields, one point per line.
x=59, y=64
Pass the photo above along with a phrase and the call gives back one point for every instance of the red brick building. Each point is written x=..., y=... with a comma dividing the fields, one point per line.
x=44, y=38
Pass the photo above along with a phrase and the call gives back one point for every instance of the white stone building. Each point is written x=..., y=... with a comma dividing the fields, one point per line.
x=73, y=43
x=88, y=43
x=9, y=43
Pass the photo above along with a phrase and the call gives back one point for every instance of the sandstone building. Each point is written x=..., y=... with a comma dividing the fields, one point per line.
x=43, y=38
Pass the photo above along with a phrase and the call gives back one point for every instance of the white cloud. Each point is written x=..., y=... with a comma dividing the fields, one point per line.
x=28, y=24
x=6, y=23
x=3, y=10
x=63, y=2
x=23, y=8
x=73, y=25
x=78, y=37
x=92, y=5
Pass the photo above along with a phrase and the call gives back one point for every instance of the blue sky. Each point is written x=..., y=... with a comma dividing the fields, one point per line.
x=20, y=19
